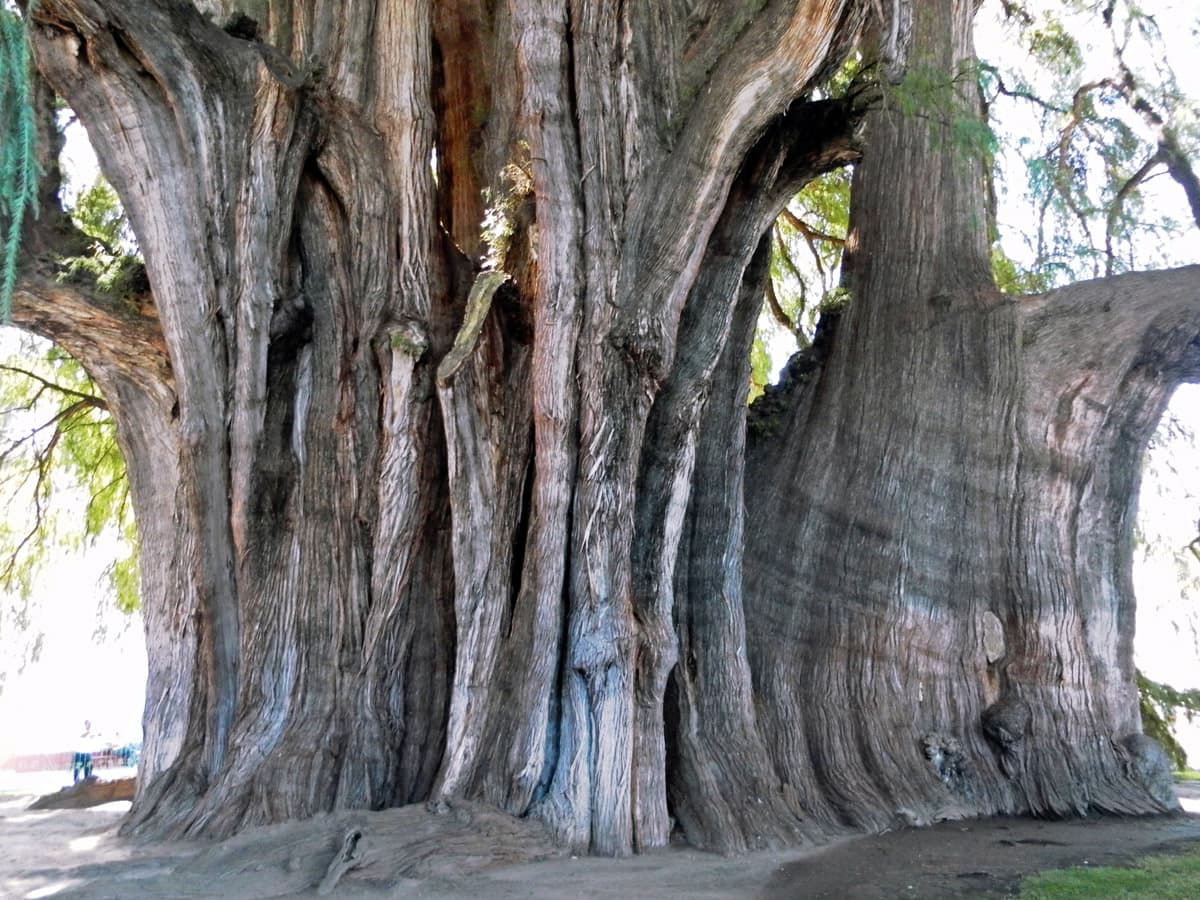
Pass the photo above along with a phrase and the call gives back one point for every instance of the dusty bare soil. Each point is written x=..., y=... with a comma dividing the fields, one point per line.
x=463, y=851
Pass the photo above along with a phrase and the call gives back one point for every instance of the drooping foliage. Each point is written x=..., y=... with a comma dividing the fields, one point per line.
x=1097, y=117
x=806, y=254
x=1161, y=707
x=62, y=475
x=18, y=157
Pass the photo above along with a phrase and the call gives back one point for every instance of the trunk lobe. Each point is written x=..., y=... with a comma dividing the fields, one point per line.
x=920, y=502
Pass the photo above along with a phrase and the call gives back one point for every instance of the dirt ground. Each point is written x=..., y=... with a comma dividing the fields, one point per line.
x=77, y=854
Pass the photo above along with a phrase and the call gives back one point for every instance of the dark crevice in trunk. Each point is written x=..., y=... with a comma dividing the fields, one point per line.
x=520, y=538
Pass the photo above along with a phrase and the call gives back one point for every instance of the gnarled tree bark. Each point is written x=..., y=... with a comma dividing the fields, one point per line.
x=438, y=463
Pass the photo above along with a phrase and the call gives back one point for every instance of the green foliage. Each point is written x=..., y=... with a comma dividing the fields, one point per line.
x=1015, y=279
x=834, y=301
x=111, y=263
x=1160, y=877
x=18, y=158
x=1086, y=106
x=760, y=368
x=1050, y=42
x=806, y=258
x=61, y=472
x=927, y=92
x=1160, y=705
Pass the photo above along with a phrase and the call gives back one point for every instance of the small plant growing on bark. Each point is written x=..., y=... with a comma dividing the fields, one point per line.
x=501, y=210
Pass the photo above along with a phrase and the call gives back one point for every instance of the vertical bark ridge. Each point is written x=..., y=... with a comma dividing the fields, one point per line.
x=810, y=139
x=293, y=315
x=1082, y=431
x=871, y=711
x=723, y=788
x=488, y=426
x=649, y=239
x=555, y=740
x=182, y=106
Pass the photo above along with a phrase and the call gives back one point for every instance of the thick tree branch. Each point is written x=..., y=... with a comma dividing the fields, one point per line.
x=776, y=310
x=101, y=331
x=1169, y=148
x=1126, y=84
x=771, y=58
x=1142, y=319
x=810, y=234
x=46, y=384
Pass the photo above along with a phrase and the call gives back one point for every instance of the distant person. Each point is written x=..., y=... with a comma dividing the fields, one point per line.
x=81, y=767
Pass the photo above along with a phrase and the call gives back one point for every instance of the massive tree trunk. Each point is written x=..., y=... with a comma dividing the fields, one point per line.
x=941, y=503
x=437, y=457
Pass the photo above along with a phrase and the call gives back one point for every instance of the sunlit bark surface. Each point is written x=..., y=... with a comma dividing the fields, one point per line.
x=437, y=432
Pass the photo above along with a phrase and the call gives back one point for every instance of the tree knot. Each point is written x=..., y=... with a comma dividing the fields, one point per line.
x=1006, y=723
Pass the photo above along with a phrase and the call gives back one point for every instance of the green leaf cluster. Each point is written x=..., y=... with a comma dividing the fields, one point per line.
x=806, y=258
x=18, y=156
x=1078, y=162
x=1160, y=706
x=111, y=264
x=61, y=472
x=952, y=102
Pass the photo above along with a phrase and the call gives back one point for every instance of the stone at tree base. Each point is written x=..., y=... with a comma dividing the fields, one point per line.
x=89, y=792
x=1150, y=765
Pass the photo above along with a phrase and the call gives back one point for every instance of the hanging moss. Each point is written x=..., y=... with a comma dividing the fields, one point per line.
x=18, y=159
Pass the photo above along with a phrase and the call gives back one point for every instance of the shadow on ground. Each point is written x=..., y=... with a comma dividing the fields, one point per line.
x=468, y=852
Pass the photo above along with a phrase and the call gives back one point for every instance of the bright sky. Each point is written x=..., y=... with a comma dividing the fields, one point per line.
x=92, y=666
x=80, y=659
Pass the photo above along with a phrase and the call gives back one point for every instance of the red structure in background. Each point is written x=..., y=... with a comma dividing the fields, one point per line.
x=108, y=758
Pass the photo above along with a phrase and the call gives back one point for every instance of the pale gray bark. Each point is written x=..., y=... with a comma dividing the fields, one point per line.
x=403, y=541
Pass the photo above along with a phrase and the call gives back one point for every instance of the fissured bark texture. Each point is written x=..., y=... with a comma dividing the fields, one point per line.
x=442, y=469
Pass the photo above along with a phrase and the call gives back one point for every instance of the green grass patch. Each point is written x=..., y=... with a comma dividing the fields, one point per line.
x=1160, y=877
x=1187, y=775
